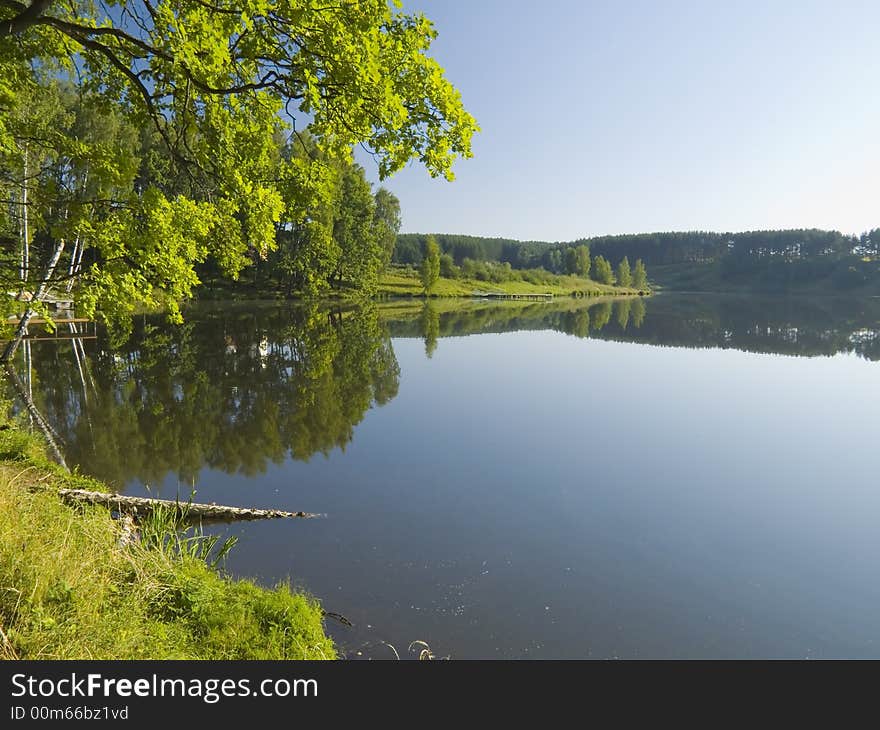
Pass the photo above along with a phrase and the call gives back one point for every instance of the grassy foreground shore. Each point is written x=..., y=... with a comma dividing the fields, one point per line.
x=71, y=589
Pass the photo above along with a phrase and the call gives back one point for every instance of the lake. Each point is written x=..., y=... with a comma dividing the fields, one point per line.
x=680, y=476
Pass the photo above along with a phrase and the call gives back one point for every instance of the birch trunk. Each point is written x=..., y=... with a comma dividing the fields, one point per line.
x=21, y=331
x=25, y=228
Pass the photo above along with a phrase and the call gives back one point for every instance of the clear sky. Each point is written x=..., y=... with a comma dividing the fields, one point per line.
x=626, y=117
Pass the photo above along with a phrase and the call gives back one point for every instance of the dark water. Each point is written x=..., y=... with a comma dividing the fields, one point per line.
x=681, y=476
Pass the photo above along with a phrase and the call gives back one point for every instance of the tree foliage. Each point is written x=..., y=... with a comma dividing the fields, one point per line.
x=602, y=270
x=429, y=270
x=577, y=261
x=640, y=275
x=624, y=273
x=764, y=260
x=209, y=90
x=582, y=261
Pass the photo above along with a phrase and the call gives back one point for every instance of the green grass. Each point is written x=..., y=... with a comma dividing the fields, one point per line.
x=398, y=282
x=70, y=590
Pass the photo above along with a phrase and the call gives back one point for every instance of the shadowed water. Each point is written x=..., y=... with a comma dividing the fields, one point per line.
x=683, y=476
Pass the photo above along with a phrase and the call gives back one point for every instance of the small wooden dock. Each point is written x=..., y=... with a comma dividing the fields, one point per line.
x=59, y=303
x=81, y=328
x=506, y=295
x=53, y=301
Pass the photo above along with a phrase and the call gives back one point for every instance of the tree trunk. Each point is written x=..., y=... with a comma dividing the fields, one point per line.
x=25, y=19
x=79, y=242
x=71, y=270
x=25, y=228
x=21, y=331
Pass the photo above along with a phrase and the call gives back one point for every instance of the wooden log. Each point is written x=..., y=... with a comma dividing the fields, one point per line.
x=140, y=505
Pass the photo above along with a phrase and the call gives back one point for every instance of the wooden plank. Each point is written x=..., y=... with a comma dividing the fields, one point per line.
x=60, y=320
x=68, y=336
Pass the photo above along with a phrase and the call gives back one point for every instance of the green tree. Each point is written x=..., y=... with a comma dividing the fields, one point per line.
x=582, y=261
x=624, y=275
x=570, y=261
x=307, y=253
x=448, y=269
x=640, y=276
x=386, y=220
x=577, y=260
x=361, y=251
x=429, y=270
x=602, y=270
x=217, y=85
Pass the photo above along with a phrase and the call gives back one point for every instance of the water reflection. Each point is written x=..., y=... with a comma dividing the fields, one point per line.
x=786, y=326
x=238, y=387
x=231, y=389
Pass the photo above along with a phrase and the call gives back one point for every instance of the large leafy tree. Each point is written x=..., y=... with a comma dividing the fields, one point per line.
x=213, y=84
x=387, y=222
x=361, y=252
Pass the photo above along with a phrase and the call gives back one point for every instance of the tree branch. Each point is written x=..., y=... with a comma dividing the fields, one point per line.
x=27, y=16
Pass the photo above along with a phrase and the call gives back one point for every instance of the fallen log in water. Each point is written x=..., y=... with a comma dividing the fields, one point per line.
x=140, y=505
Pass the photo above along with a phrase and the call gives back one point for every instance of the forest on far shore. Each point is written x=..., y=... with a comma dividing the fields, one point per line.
x=782, y=260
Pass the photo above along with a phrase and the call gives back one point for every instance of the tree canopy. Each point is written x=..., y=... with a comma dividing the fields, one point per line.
x=602, y=270
x=201, y=95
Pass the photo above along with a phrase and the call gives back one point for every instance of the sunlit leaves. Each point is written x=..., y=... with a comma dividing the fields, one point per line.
x=199, y=95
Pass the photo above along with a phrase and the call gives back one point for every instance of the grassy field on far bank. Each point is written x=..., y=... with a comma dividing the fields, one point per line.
x=400, y=282
x=69, y=588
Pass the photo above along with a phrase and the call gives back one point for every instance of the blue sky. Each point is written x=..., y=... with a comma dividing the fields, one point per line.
x=626, y=117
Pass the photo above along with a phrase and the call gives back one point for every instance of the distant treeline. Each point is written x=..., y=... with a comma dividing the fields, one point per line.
x=457, y=257
x=774, y=259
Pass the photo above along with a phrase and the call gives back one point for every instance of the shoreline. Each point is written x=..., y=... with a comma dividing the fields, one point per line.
x=76, y=588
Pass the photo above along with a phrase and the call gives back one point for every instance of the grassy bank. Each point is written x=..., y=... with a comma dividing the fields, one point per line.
x=399, y=282
x=69, y=588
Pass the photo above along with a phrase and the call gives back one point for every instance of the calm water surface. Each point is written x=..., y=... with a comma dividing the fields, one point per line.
x=684, y=476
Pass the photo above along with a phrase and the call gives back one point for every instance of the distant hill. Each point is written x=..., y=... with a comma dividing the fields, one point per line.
x=797, y=259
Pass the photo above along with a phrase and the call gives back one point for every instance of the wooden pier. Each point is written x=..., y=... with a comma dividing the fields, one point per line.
x=53, y=301
x=81, y=328
x=59, y=303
